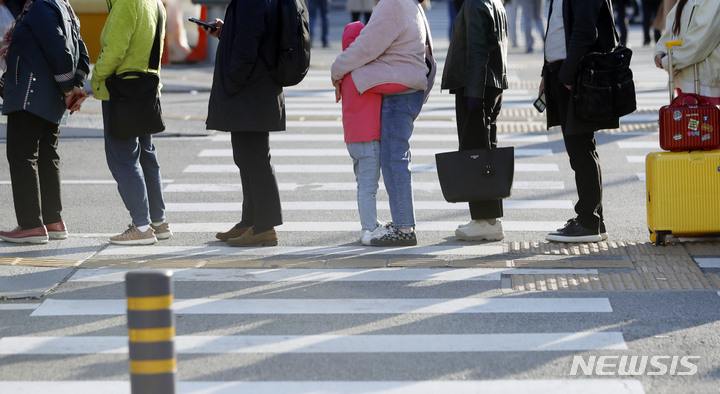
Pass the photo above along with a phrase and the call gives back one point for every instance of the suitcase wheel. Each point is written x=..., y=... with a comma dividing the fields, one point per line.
x=659, y=238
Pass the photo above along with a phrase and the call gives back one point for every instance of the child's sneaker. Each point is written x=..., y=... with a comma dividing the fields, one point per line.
x=133, y=236
x=162, y=231
x=367, y=236
x=395, y=237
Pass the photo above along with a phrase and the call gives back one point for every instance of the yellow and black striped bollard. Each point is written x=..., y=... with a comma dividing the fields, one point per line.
x=151, y=331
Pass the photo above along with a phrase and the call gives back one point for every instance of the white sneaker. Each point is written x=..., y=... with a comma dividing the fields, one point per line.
x=481, y=230
x=466, y=224
x=367, y=236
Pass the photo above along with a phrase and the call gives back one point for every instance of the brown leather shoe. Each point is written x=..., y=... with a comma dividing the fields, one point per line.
x=37, y=235
x=232, y=233
x=57, y=230
x=267, y=238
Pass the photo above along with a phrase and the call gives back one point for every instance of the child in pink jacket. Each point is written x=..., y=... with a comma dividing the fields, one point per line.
x=361, y=124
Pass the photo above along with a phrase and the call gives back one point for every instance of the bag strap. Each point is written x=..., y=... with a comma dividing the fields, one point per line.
x=154, y=60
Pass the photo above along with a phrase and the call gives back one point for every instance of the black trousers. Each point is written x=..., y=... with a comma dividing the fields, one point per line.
x=261, y=199
x=34, y=169
x=582, y=151
x=475, y=130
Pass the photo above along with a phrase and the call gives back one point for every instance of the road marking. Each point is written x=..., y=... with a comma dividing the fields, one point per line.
x=416, y=152
x=415, y=275
x=208, y=306
x=640, y=176
x=303, y=344
x=338, y=137
x=339, y=186
x=708, y=262
x=352, y=205
x=18, y=306
x=355, y=226
x=652, y=145
x=525, y=386
x=345, y=168
x=492, y=249
x=635, y=159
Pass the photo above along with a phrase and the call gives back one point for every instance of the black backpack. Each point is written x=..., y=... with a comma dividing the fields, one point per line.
x=293, y=58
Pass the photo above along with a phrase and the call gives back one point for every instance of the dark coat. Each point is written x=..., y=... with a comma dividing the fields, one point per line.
x=46, y=57
x=589, y=28
x=244, y=96
x=477, y=54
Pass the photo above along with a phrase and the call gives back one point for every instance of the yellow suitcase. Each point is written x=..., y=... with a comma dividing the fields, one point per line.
x=683, y=194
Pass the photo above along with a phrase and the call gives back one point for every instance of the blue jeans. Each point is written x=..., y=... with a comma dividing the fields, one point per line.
x=366, y=164
x=320, y=6
x=398, y=114
x=134, y=165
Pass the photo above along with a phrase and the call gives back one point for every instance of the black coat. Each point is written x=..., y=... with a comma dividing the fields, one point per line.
x=244, y=96
x=589, y=28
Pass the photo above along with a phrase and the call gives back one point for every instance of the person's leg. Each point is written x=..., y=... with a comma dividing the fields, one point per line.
x=527, y=22
x=24, y=131
x=647, y=19
x=49, y=174
x=368, y=14
x=621, y=21
x=153, y=179
x=511, y=12
x=251, y=153
x=123, y=159
x=355, y=16
x=398, y=114
x=452, y=13
x=366, y=165
x=324, y=21
x=312, y=16
x=585, y=163
x=537, y=17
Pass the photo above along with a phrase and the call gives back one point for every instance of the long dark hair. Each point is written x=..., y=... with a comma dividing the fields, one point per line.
x=678, y=14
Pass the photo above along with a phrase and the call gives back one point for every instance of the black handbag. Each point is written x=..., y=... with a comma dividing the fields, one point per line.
x=134, y=106
x=605, y=89
x=476, y=174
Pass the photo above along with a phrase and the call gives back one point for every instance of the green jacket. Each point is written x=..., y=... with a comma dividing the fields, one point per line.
x=477, y=55
x=126, y=41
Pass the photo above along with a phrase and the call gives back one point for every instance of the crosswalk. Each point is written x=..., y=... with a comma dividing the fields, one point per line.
x=324, y=331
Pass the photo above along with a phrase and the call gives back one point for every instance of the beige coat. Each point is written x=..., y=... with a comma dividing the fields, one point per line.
x=390, y=49
x=700, y=33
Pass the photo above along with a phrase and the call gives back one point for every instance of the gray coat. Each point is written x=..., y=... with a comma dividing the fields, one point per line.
x=244, y=96
x=45, y=58
x=588, y=28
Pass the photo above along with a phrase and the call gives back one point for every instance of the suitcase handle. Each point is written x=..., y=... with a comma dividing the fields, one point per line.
x=680, y=99
x=671, y=74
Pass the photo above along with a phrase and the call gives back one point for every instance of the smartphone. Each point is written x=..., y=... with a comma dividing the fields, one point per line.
x=203, y=24
x=540, y=103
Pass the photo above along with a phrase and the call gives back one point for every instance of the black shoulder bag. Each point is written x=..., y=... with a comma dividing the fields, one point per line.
x=134, y=106
x=605, y=89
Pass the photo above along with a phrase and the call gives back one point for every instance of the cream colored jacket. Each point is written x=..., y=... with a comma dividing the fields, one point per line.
x=700, y=32
x=390, y=49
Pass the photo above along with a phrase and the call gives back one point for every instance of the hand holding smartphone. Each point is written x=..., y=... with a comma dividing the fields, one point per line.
x=203, y=24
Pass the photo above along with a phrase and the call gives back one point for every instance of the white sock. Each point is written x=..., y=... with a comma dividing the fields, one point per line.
x=143, y=228
x=157, y=224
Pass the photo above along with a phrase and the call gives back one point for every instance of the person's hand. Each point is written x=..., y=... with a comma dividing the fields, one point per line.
x=336, y=83
x=568, y=87
x=542, y=86
x=474, y=104
x=658, y=60
x=74, y=101
x=217, y=32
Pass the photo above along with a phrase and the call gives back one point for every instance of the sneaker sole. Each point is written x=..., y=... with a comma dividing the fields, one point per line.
x=583, y=238
x=148, y=241
x=57, y=234
x=484, y=237
x=26, y=240
x=166, y=235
